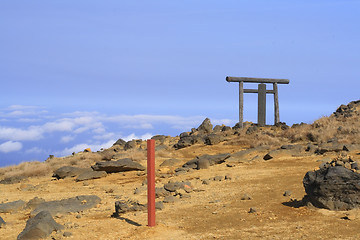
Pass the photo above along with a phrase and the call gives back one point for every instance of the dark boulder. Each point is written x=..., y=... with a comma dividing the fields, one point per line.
x=39, y=227
x=75, y=204
x=121, y=165
x=206, y=127
x=12, y=206
x=333, y=187
x=174, y=186
x=189, y=140
x=68, y=171
x=213, y=139
x=123, y=206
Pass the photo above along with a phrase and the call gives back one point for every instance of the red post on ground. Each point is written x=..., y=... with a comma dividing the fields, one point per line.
x=151, y=181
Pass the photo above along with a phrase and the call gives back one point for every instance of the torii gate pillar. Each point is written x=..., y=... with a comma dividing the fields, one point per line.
x=261, y=91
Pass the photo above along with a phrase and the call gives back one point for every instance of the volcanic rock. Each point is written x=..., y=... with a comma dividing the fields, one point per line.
x=334, y=188
x=127, y=206
x=12, y=206
x=173, y=186
x=75, y=204
x=213, y=139
x=121, y=165
x=68, y=171
x=206, y=127
x=39, y=227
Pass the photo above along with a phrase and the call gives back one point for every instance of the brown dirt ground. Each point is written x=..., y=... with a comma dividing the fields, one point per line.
x=213, y=211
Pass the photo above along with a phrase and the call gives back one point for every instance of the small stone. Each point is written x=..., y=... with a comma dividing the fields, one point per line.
x=137, y=191
x=78, y=216
x=2, y=222
x=267, y=157
x=206, y=181
x=246, y=197
x=287, y=193
x=252, y=210
x=228, y=177
x=230, y=165
x=349, y=216
x=218, y=178
x=67, y=234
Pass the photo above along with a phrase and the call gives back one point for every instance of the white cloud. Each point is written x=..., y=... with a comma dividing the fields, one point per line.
x=82, y=146
x=23, y=110
x=64, y=125
x=66, y=139
x=105, y=136
x=35, y=150
x=133, y=136
x=10, y=146
x=99, y=130
x=16, y=134
x=140, y=126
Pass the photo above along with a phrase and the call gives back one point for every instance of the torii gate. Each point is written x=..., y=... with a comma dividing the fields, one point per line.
x=261, y=91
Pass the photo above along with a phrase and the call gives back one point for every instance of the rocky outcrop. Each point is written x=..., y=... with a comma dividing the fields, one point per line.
x=353, y=108
x=39, y=227
x=334, y=186
x=121, y=165
x=75, y=204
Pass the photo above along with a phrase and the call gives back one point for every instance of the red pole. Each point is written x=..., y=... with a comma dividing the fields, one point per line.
x=151, y=181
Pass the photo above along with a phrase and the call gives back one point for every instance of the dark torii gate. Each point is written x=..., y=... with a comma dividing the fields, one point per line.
x=261, y=91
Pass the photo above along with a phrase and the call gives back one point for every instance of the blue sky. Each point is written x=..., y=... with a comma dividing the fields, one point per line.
x=85, y=73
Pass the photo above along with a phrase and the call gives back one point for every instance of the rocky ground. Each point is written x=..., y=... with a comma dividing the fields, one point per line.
x=212, y=183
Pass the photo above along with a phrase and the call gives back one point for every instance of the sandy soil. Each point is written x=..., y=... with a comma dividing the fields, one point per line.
x=213, y=211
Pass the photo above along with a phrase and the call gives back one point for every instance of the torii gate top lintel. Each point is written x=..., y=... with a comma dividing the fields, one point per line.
x=261, y=91
x=257, y=80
